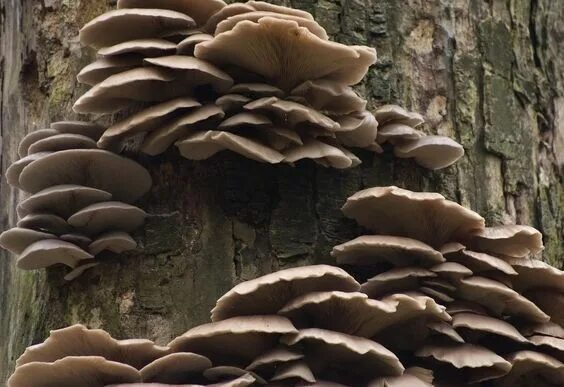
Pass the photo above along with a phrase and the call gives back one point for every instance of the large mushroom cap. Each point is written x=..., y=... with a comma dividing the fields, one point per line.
x=268, y=294
x=88, y=129
x=288, y=54
x=424, y=216
x=33, y=137
x=236, y=341
x=88, y=167
x=86, y=371
x=176, y=368
x=48, y=252
x=122, y=25
x=432, y=152
x=107, y=216
x=332, y=350
x=487, y=324
x=374, y=249
x=62, y=200
x=395, y=281
x=511, y=240
x=199, y=10
x=530, y=368
x=17, y=239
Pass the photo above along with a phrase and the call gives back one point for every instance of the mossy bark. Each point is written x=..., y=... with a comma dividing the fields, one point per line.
x=487, y=73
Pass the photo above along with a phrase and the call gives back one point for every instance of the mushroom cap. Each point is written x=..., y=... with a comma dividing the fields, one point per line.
x=546, y=329
x=529, y=368
x=264, y=6
x=235, y=341
x=175, y=368
x=17, y=239
x=257, y=90
x=104, y=68
x=245, y=119
x=79, y=341
x=224, y=13
x=79, y=270
x=499, y=299
x=480, y=363
x=330, y=96
x=62, y=200
x=163, y=137
x=32, y=137
x=296, y=370
x=273, y=357
x=88, y=167
x=310, y=24
x=435, y=294
x=87, y=371
x=88, y=129
x=199, y=10
x=194, y=71
x=477, y=262
x=462, y=306
x=374, y=249
x=80, y=240
x=326, y=349
x=232, y=102
x=279, y=138
x=143, y=47
x=108, y=216
x=355, y=314
x=357, y=130
x=451, y=271
x=15, y=170
x=114, y=241
x=44, y=222
x=269, y=293
x=511, y=240
x=123, y=25
x=439, y=284
x=146, y=120
x=62, y=142
x=445, y=329
x=550, y=301
x=424, y=216
x=222, y=373
x=535, y=274
x=396, y=114
x=322, y=153
x=396, y=132
x=432, y=152
x=395, y=281
x=487, y=324
x=49, y=252
x=408, y=379
x=203, y=145
x=554, y=345
x=186, y=46
x=284, y=67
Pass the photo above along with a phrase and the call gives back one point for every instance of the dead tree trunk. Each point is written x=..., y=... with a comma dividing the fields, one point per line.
x=488, y=73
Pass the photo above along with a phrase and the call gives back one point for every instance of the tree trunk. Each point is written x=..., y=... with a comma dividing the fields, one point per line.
x=489, y=74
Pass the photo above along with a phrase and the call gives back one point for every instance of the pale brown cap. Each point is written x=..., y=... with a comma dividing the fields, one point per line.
x=79, y=270
x=44, y=222
x=396, y=114
x=17, y=239
x=511, y=240
x=15, y=170
x=534, y=273
x=49, y=252
x=529, y=368
x=232, y=102
x=175, y=368
x=107, y=216
x=432, y=152
x=273, y=357
x=257, y=90
x=199, y=10
x=32, y=137
x=397, y=133
x=88, y=129
x=294, y=371
x=330, y=96
x=487, y=324
x=477, y=262
x=114, y=241
x=186, y=46
x=60, y=142
x=328, y=155
x=224, y=13
x=227, y=373
x=146, y=48
x=396, y=280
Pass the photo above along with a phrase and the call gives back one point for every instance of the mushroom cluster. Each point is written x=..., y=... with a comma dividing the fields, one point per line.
x=80, y=204
x=506, y=307
x=254, y=78
x=296, y=327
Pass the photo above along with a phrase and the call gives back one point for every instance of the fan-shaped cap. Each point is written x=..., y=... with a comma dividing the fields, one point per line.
x=104, y=68
x=412, y=377
x=143, y=47
x=87, y=371
x=279, y=138
x=114, y=241
x=199, y=10
x=440, y=284
x=357, y=130
x=451, y=270
x=49, y=252
x=546, y=329
x=224, y=13
x=146, y=120
x=203, y=145
x=79, y=341
x=194, y=71
x=462, y=306
x=236, y=340
x=395, y=280
x=437, y=295
x=424, y=216
x=264, y=6
x=397, y=133
x=60, y=142
x=88, y=167
x=477, y=262
x=257, y=90
x=80, y=240
x=17, y=239
x=550, y=301
x=322, y=153
x=269, y=293
x=487, y=324
x=499, y=299
x=32, y=137
x=331, y=349
x=477, y=363
x=374, y=249
x=15, y=170
x=441, y=328
x=330, y=96
x=223, y=373
x=536, y=274
x=272, y=358
x=285, y=68
x=432, y=152
x=553, y=345
x=161, y=138
x=186, y=46
x=123, y=25
x=353, y=313
x=44, y=222
x=511, y=240
x=62, y=200
x=393, y=113
x=107, y=216
x=232, y=102
x=88, y=129
x=175, y=368
x=245, y=119
x=528, y=368
x=294, y=371
x=79, y=270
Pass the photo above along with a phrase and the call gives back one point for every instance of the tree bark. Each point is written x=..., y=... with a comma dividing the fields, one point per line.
x=487, y=73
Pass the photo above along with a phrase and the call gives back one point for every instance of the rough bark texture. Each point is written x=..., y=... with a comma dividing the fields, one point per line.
x=487, y=73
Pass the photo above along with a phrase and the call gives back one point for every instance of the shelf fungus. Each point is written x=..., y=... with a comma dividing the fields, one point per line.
x=253, y=62
x=79, y=204
x=494, y=315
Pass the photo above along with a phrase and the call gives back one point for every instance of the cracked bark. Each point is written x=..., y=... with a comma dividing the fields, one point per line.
x=488, y=74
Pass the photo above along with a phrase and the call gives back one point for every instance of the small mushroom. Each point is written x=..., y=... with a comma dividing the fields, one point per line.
x=322, y=153
x=62, y=142
x=80, y=240
x=15, y=170
x=397, y=133
x=294, y=371
x=88, y=129
x=147, y=48
x=451, y=271
x=512, y=240
x=33, y=137
x=232, y=102
x=50, y=223
x=17, y=239
x=471, y=322
x=49, y=252
x=477, y=262
x=529, y=368
x=396, y=114
x=268, y=7
x=245, y=119
x=357, y=130
x=330, y=96
x=186, y=46
x=107, y=216
x=267, y=363
x=176, y=368
x=79, y=270
x=413, y=377
x=396, y=280
x=98, y=71
x=114, y=241
x=546, y=329
x=269, y=293
x=225, y=373
x=431, y=152
x=257, y=90
x=445, y=329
